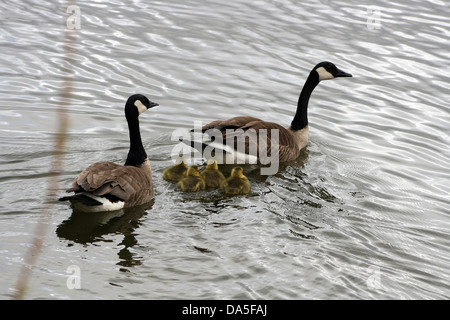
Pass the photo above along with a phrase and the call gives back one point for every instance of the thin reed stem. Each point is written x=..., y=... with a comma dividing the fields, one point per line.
x=32, y=255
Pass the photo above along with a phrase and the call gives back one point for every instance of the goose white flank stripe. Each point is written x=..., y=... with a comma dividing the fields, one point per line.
x=104, y=204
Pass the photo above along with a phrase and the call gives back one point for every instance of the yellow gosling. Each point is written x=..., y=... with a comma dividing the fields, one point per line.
x=212, y=176
x=237, y=183
x=176, y=172
x=192, y=182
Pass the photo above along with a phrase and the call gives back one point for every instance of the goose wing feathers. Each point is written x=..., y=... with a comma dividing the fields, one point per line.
x=127, y=183
x=233, y=123
x=287, y=147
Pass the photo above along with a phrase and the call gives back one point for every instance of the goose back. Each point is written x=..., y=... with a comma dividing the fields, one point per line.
x=290, y=142
x=129, y=184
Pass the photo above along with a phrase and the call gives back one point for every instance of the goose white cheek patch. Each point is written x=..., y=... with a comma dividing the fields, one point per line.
x=140, y=106
x=324, y=74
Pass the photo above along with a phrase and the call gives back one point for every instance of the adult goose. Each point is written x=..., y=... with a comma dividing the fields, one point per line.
x=106, y=186
x=257, y=135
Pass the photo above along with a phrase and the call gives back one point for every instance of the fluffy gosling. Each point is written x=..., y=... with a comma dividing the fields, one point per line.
x=192, y=182
x=176, y=172
x=237, y=183
x=212, y=176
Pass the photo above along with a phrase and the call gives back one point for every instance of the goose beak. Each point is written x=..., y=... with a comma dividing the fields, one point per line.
x=152, y=104
x=341, y=73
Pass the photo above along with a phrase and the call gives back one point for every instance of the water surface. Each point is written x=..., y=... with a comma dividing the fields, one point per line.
x=362, y=214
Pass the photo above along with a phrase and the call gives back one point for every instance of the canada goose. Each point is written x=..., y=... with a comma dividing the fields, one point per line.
x=211, y=174
x=192, y=182
x=176, y=172
x=237, y=183
x=106, y=186
x=290, y=140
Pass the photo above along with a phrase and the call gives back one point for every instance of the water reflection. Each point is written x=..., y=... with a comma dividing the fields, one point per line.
x=85, y=228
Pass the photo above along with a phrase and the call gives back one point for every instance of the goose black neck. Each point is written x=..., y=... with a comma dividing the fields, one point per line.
x=137, y=154
x=301, y=116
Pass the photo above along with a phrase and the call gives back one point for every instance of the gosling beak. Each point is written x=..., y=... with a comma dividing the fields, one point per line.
x=341, y=73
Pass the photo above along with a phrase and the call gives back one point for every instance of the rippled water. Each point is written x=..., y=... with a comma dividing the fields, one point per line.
x=362, y=214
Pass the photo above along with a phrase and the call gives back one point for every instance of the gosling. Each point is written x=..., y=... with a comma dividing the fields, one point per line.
x=176, y=172
x=192, y=182
x=212, y=176
x=237, y=183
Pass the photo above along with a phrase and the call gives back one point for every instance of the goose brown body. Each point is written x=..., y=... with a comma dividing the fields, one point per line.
x=130, y=184
x=290, y=142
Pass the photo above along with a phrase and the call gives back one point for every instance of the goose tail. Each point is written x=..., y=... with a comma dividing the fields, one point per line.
x=90, y=203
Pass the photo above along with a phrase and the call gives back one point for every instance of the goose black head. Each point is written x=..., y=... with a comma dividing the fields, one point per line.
x=140, y=102
x=327, y=70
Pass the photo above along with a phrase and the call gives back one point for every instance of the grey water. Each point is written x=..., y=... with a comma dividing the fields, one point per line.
x=364, y=213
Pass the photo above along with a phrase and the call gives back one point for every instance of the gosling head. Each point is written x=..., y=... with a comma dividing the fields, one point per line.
x=212, y=165
x=327, y=71
x=237, y=172
x=138, y=103
x=181, y=161
x=193, y=171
